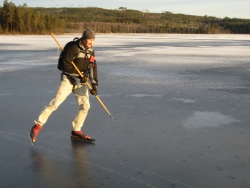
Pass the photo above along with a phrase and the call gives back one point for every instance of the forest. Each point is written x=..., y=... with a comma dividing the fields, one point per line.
x=22, y=19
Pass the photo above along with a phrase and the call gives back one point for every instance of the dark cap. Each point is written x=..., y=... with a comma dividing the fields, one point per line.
x=88, y=34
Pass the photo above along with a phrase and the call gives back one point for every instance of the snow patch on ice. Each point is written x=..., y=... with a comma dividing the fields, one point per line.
x=3, y=94
x=104, y=95
x=208, y=119
x=145, y=95
x=184, y=100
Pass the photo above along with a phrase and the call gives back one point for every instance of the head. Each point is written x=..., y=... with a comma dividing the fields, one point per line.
x=88, y=38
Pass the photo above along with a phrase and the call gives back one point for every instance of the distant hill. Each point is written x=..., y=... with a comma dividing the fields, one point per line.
x=26, y=20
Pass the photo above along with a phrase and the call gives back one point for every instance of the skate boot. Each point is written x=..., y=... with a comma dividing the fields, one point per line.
x=80, y=136
x=34, y=132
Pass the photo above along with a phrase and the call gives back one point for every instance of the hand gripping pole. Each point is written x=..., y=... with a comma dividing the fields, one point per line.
x=99, y=100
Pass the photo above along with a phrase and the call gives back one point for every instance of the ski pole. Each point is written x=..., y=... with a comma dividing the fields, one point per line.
x=82, y=76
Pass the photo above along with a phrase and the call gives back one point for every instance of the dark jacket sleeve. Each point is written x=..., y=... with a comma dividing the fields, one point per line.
x=93, y=72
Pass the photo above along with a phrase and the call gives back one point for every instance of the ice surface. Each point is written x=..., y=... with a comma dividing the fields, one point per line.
x=180, y=103
x=142, y=49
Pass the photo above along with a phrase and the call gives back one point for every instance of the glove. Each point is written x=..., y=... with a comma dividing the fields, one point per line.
x=84, y=79
x=93, y=91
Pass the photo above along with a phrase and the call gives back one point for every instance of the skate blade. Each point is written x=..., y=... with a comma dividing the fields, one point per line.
x=32, y=142
x=82, y=139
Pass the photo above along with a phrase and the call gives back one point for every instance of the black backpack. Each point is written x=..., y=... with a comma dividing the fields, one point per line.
x=60, y=60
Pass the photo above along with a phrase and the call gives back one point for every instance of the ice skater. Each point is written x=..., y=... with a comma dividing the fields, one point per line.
x=81, y=53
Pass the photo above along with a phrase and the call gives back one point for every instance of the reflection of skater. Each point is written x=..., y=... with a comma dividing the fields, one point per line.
x=52, y=172
x=82, y=164
x=81, y=53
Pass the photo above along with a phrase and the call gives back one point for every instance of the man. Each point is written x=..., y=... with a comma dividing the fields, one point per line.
x=82, y=55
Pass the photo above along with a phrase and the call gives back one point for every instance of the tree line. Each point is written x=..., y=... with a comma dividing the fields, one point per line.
x=22, y=19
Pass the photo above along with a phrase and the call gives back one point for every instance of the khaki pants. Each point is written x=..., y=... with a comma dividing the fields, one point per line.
x=82, y=97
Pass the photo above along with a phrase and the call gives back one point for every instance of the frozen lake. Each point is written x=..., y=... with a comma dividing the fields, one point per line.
x=181, y=108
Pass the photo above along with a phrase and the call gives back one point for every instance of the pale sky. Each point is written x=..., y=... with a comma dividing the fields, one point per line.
x=217, y=8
